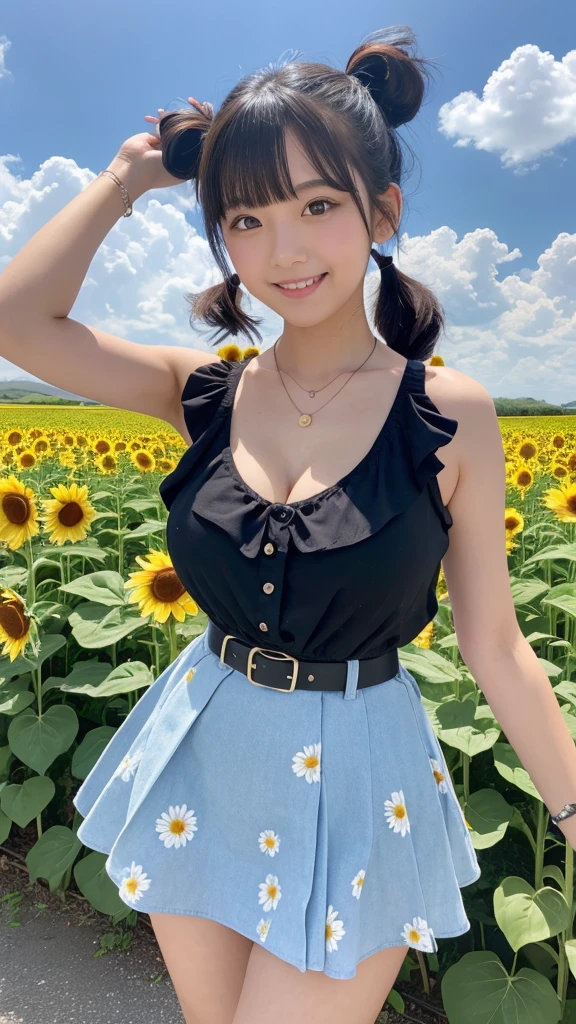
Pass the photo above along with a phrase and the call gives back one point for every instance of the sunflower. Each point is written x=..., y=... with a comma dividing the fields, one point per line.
x=18, y=513
x=107, y=463
x=528, y=448
x=158, y=590
x=513, y=521
x=143, y=460
x=558, y=470
x=102, y=446
x=425, y=636
x=232, y=353
x=562, y=501
x=14, y=623
x=250, y=352
x=69, y=515
x=26, y=459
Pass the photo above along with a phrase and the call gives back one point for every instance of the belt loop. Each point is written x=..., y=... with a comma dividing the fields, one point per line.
x=352, y=670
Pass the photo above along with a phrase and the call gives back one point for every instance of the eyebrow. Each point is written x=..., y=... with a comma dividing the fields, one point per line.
x=313, y=183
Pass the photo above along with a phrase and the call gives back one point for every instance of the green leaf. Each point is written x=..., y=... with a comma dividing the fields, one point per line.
x=91, y=671
x=104, y=587
x=526, y=915
x=552, y=553
x=23, y=803
x=466, y=727
x=563, y=597
x=77, y=551
x=489, y=815
x=129, y=676
x=38, y=741
x=146, y=528
x=96, y=885
x=93, y=629
x=478, y=990
x=88, y=751
x=52, y=855
x=526, y=591
x=14, y=698
x=5, y=827
x=430, y=665
x=509, y=766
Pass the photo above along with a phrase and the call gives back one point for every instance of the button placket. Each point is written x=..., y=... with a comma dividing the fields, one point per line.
x=272, y=564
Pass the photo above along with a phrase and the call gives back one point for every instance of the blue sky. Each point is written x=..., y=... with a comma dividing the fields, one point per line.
x=490, y=215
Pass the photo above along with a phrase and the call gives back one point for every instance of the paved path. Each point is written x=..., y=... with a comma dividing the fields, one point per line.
x=49, y=974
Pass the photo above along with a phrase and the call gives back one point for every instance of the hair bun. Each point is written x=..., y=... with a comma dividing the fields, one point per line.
x=181, y=147
x=370, y=71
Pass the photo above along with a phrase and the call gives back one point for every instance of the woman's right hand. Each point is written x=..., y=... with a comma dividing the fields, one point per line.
x=142, y=157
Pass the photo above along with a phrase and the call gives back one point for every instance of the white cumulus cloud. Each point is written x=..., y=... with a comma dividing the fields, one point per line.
x=527, y=109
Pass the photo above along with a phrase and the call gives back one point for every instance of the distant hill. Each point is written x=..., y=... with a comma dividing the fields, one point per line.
x=33, y=392
x=30, y=392
x=532, y=407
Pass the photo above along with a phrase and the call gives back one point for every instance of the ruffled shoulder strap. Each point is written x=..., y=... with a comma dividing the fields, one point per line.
x=207, y=389
x=205, y=399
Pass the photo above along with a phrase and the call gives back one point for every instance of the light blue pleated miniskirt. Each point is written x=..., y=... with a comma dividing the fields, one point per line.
x=322, y=825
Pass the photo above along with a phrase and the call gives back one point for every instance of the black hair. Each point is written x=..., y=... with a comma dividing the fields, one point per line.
x=342, y=119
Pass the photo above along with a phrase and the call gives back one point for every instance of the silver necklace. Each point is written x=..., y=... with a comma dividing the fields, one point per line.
x=305, y=418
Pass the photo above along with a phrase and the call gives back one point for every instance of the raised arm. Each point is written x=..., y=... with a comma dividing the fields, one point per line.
x=40, y=285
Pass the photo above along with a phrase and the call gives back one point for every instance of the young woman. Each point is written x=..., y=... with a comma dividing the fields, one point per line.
x=277, y=801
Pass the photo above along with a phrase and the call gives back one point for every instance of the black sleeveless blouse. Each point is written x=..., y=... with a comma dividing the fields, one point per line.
x=348, y=573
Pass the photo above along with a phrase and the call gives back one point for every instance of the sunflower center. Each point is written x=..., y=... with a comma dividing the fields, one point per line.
x=571, y=503
x=70, y=514
x=166, y=585
x=16, y=508
x=13, y=621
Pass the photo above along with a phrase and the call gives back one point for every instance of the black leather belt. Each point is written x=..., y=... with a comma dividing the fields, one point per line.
x=278, y=671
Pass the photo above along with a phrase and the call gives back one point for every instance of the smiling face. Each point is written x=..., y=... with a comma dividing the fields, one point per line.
x=320, y=232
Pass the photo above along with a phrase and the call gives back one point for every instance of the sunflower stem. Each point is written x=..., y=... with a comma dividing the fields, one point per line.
x=30, y=582
x=172, y=638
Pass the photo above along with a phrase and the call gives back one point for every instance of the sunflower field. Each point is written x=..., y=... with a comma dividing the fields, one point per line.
x=92, y=610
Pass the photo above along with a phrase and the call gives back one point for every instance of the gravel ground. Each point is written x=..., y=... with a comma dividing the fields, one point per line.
x=49, y=973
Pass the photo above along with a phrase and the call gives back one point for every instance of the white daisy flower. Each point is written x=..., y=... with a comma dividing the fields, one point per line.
x=176, y=826
x=334, y=930
x=269, y=842
x=270, y=892
x=438, y=773
x=357, y=884
x=262, y=928
x=307, y=763
x=396, y=813
x=134, y=884
x=128, y=766
x=419, y=935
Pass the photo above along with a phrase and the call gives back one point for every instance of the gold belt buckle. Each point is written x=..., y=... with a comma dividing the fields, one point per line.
x=274, y=656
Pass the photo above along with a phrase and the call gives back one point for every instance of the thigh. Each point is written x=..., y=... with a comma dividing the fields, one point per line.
x=278, y=991
x=206, y=962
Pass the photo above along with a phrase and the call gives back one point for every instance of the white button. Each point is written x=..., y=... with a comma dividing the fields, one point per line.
x=269, y=549
x=264, y=627
x=268, y=588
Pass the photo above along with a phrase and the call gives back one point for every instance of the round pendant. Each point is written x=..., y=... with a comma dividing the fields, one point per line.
x=305, y=420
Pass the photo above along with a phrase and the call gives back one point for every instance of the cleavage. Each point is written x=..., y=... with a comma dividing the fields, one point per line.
x=284, y=463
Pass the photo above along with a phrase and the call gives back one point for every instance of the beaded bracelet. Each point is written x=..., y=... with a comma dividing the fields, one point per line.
x=567, y=811
x=123, y=191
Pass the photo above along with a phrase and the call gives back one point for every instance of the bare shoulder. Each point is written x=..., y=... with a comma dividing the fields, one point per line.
x=459, y=396
x=477, y=443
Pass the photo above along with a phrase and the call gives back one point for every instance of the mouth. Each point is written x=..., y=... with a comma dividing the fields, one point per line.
x=300, y=293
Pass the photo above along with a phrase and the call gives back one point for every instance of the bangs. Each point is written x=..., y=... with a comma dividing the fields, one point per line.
x=248, y=166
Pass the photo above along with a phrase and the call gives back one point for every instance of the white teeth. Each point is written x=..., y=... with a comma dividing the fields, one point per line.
x=303, y=284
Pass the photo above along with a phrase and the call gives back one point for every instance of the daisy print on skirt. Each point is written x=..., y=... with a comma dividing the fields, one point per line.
x=396, y=813
x=270, y=892
x=419, y=935
x=128, y=765
x=269, y=842
x=176, y=826
x=334, y=930
x=133, y=884
x=307, y=762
